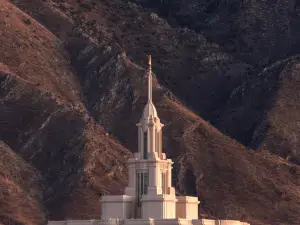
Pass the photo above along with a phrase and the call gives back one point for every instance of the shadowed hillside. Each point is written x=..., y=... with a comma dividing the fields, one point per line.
x=259, y=32
x=264, y=34
x=271, y=123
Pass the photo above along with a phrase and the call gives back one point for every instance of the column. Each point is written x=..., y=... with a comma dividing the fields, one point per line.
x=130, y=189
x=132, y=175
x=154, y=187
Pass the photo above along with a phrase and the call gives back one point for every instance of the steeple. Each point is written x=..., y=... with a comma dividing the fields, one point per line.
x=150, y=110
x=150, y=132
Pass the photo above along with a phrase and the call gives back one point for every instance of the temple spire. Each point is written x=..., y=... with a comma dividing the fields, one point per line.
x=150, y=79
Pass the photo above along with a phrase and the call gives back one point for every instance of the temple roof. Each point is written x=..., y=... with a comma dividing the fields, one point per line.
x=149, y=111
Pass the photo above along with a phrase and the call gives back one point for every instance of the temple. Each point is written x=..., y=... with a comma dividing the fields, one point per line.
x=149, y=198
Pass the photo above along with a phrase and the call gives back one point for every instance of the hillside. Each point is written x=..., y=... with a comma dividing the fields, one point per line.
x=265, y=35
x=20, y=190
x=233, y=44
x=76, y=158
x=273, y=122
x=258, y=32
x=65, y=113
x=206, y=161
x=71, y=153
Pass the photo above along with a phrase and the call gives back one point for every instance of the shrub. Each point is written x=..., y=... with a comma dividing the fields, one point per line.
x=27, y=21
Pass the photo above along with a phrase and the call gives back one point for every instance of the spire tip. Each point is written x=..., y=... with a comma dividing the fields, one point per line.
x=150, y=79
x=150, y=61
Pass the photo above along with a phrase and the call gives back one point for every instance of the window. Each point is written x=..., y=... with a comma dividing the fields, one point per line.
x=146, y=183
x=145, y=145
x=142, y=182
x=138, y=195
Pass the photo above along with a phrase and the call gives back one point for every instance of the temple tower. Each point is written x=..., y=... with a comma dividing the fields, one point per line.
x=150, y=171
x=149, y=127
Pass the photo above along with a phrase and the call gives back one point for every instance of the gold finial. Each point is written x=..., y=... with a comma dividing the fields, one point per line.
x=150, y=62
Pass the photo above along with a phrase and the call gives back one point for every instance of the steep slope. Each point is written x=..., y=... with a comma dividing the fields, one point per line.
x=187, y=59
x=43, y=120
x=266, y=108
x=281, y=128
x=264, y=34
x=184, y=58
x=75, y=156
x=36, y=55
x=20, y=190
x=259, y=32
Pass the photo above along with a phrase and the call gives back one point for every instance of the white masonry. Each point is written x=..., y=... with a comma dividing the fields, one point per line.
x=149, y=198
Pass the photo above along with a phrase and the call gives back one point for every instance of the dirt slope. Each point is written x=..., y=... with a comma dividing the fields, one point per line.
x=36, y=55
x=47, y=125
x=20, y=190
x=70, y=151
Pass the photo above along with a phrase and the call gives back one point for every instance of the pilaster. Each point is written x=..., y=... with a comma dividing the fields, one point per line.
x=154, y=187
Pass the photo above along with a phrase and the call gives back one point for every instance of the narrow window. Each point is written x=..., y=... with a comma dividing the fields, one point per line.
x=142, y=183
x=146, y=183
x=164, y=183
x=145, y=145
x=138, y=189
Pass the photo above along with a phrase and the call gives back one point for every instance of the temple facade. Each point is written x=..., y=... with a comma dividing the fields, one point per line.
x=149, y=198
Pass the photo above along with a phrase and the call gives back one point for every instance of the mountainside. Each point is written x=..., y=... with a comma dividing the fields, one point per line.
x=259, y=32
x=272, y=122
x=77, y=159
x=263, y=34
x=73, y=86
x=20, y=190
x=207, y=163
x=213, y=72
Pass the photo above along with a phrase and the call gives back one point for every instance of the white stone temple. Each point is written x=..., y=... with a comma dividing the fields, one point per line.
x=149, y=198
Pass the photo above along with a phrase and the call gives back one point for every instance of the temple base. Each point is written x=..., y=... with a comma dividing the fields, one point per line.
x=148, y=222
